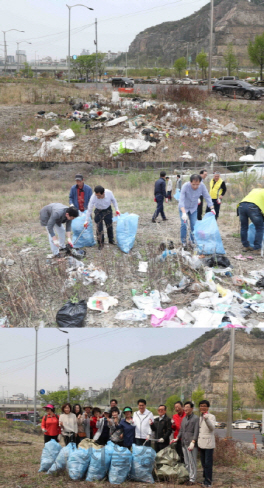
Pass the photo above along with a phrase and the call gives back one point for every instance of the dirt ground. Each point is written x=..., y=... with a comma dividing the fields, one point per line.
x=32, y=289
x=20, y=454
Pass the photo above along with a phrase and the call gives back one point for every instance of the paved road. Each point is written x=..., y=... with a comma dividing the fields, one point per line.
x=242, y=435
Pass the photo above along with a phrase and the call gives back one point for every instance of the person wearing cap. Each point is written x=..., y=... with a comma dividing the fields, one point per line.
x=217, y=191
x=102, y=199
x=52, y=217
x=80, y=194
x=129, y=428
x=50, y=424
x=101, y=437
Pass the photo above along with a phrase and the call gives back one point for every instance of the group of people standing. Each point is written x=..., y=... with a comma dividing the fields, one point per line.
x=125, y=428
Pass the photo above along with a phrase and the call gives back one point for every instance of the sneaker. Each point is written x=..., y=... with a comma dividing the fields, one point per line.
x=247, y=249
x=100, y=247
x=165, y=219
x=112, y=242
x=256, y=252
x=153, y=220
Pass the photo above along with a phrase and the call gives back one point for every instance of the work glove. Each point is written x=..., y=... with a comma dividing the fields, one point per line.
x=155, y=200
x=166, y=200
x=70, y=241
x=172, y=421
x=117, y=213
x=174, y=440
x=150, y=422
x=147, y=438
x=213, y=211
x=219, y=200
x=205, y=415
x=86, y=224
x=56, y=242
x=184, y=217
x=199, y=201
x=44, y=430
x=191, y=446
x=161, y=440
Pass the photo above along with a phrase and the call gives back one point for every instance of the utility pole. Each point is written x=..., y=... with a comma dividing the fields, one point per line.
x=230, y=384
x=126, y=63
x=96, y=54
x=109, y=391
x=211, y=46
x=36, y=371
x=68, y=369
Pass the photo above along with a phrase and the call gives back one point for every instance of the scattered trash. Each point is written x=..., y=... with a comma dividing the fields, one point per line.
x=133, y=315
x=101, y=301
x=142, y=266
x=217, y=260
x=72, y=314
x=7, y=262
x=168, y=314
x=4, y=322
x=129, y=146
x=29, y=138
x=116, y=121
x=66, y=135
x=212, y=158
x=148, y=303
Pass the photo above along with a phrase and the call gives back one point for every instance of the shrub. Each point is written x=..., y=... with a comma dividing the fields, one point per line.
x=182, y=94
x=225, y=453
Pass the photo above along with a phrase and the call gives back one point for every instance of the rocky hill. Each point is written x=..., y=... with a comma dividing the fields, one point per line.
x=235, y=21
x=205, y=361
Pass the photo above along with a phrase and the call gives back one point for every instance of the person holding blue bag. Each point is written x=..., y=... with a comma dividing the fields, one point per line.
x=188, y=204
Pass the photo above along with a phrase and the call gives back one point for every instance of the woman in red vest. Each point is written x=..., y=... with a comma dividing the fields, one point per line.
x=50, y=424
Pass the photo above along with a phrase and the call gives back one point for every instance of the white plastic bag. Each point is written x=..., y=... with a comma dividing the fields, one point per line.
x=132, y=315
x=116, y=121
x=101, y=301
x=129, y=146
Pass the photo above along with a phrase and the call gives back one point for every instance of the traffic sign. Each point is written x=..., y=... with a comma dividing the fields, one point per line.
x=42, y=392
x=106, y=73
x=74, y=56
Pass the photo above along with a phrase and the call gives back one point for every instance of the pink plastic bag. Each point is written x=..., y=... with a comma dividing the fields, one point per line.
x=169, y=313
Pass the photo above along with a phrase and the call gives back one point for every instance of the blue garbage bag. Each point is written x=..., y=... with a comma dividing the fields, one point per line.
x=251, y=234
x=87, y=239
x=61, y=460
x=78, y=463
x=126, y=230
x=143, y=459
x=120, y=465
x=49, y=453
x=177, y=194
x=99, y=464
x=207, y=236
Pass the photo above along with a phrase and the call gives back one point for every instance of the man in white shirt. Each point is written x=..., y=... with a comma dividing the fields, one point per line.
x=102, y=200
x=141, y=420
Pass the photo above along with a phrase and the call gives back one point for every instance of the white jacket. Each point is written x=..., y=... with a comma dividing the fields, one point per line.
x=169, y=185
x=141, y=421
x=206, y=438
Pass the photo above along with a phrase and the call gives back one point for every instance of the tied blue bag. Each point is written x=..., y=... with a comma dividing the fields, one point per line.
x=251, y=234
x=177, y=194
x=78, y=463
x=120, y=465
x=49, y=453
x=143, y=459
x=99, y=464
x=61, y=460
x=87, y=238
x=207, y=236
x=126, y=230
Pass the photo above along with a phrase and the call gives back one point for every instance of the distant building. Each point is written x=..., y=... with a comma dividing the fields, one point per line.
x=110, y=56
x=85, y=52
x=21, y=57
x=10, y=59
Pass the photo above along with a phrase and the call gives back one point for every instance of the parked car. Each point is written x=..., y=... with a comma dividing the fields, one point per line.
x=240, y=88
x=220, y=425
x=188, y=81
x=122, y=81
x=228, y=78
x=166, y=81
x=245, y=424
x=257, y=169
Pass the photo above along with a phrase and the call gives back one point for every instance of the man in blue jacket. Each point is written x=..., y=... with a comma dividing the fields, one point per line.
x=160, y=194
x=80, y=194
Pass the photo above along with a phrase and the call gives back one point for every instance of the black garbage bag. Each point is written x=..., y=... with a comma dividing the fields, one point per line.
x=72, y=314
x=260, y=282
x=217, y=260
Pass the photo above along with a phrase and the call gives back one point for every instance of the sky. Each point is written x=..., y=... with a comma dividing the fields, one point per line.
x=45, y=23
x=96, y=355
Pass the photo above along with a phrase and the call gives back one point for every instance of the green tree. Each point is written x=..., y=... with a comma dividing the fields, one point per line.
x=83, y=65
x=179, y=65
x=256, y=52
x=230, y=59
x=58, y=398
x=170, y=402
x=198, y=395
x=259, y=386
x=202, y=61
x=27, y=71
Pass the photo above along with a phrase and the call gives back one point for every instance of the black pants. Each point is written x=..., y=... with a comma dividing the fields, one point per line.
x=69, y=438
x=207, y=464
x=102, y=441
x=200, y=209
x=48, y=438
x=105, y=216
x=159, y=208
x=140, y=442
x=216, y=207
x=178, y=449
x=169, y=195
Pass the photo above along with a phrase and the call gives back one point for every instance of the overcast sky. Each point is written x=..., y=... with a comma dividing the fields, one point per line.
x=96, y=355
x=45, y=23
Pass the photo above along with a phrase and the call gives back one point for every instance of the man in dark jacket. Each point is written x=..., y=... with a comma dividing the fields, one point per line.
x=160, y=194
x=80, y=194
x=52, y=217
x=162, y=428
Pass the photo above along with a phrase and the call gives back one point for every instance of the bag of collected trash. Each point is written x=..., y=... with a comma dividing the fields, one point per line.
x=60, y=462
x=168, y=464
x=207, y=236
x=78, y=463
x=143, y=459
x=120, y=465
x=177, y=194
x=87, y=238
x=99, y=464
x=217, y=260
x=251, y=234
x=72, y=314
x=126, y=230
x=49, y=453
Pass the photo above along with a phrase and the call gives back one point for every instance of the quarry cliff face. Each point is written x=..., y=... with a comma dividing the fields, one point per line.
x=235, y=21
x=206, y=364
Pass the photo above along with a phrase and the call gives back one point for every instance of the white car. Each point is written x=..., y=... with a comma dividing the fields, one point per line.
x=245, y=424
x=166, y=81
x=188, y=81
x=257, y=169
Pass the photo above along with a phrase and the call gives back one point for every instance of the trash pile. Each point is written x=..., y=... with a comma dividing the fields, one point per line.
x=94, y=463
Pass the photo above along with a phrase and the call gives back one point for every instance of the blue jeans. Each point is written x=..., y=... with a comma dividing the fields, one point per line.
x=251, y=211
x=192, y=218
x=159, y=208
x=207, y=464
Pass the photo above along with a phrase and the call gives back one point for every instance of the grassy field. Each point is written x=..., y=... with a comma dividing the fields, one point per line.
x=236, y=466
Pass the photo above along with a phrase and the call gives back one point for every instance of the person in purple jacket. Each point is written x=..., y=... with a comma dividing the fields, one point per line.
x=190, y=193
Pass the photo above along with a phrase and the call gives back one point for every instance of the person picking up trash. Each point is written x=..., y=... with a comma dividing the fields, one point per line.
x=188, y=204
x=217, y=191
x=80, y=194
x=203, y=174
x=252, y=207
x=102, y=200
x=159, y=195
x=52, y=217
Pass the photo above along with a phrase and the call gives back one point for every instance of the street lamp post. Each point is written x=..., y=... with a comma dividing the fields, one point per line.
x=18, y=55
x=69, y=36
x=4, y=32
x=211, y=46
